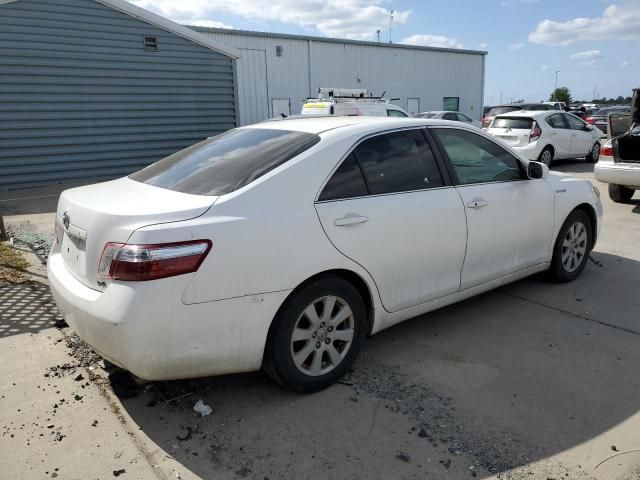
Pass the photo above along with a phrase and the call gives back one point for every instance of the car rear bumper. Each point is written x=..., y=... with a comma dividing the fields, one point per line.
x=625, y=174
x=530, y=151
x=145, y=328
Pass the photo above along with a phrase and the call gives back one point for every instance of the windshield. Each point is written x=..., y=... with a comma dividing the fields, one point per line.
x=227, y=162
x=516, y=123
x=500, y=110
x=426, y=115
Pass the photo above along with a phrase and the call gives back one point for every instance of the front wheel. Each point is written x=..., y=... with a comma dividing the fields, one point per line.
x=620, y=194
x=594, y=154
x=572, y=247
x=317, y=335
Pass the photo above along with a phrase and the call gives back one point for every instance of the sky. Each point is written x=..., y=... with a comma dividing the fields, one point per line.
x=594, y=44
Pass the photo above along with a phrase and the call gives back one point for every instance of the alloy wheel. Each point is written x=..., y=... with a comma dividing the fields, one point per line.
x=595, y=153
x=574, y=247
x=546, y=157
x=322, y=336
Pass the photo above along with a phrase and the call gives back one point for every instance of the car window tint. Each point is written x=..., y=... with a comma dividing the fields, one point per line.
x=556, y=121
x=499, y=110
x=398, y=162
x=477, y=159
x=395, y=113
x=346, y=182
x=515, y=123
x=227, y=162
x=463, y=118
x=574, y=122
x=450, y=116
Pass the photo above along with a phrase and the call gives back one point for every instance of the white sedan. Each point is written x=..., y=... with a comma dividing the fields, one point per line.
x=548, y=135
x=283, y=245
x=448, y=115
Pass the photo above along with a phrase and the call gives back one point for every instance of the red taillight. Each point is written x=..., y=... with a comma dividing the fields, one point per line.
x=135, y=263
x=590, y=120
x=606, y=151
x=535, y=132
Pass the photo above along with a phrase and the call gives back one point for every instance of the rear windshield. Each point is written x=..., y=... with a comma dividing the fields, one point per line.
x=515, y=123
x=500, y=110
x=227, y=162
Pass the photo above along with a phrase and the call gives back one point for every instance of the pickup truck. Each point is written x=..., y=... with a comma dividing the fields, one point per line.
x=619, y=162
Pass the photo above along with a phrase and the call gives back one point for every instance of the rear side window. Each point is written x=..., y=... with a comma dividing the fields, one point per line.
x=574, y=122
x=398, y=162
x=515, y=123
x=556, y=121
x=346, y=182
x=227, y=162
x=500, y=110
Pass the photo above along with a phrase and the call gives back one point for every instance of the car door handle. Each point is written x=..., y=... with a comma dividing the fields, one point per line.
x=477, y=203
x=350, y=219
x=574, y=135
x=554, y=133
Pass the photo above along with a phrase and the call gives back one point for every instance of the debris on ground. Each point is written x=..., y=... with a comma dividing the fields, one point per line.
x=25, y=234
x=12, y=265
x=201, y=408
x=117, y=473
x=186, y=436
x=403, y=456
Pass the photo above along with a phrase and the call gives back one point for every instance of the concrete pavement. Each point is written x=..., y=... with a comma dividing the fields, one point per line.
x=532, y=381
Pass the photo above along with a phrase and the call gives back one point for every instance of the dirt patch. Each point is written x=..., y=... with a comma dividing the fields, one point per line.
x=12, y=265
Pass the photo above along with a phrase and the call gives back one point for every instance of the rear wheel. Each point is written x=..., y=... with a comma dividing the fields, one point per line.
x=594, y=154
x=546, y=156
x=572, y=247
x=317, y=335
x=620, y=194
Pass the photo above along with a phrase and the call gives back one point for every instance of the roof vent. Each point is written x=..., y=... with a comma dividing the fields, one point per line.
x=150, y=43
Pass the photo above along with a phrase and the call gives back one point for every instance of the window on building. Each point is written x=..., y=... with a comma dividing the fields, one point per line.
x=451, y=104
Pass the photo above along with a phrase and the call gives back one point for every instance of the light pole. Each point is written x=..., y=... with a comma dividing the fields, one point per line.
x=556, y=87
x=390, y=23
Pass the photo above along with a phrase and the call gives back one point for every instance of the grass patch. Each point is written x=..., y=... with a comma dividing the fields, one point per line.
x=11, y=258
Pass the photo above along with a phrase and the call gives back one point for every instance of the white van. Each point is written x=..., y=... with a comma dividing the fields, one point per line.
x=350, y=101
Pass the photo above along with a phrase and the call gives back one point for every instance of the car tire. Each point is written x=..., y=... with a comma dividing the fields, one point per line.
x=546, y=156
x=594, y=154
x=302, y=353
x=572, y=247
x=620, y=194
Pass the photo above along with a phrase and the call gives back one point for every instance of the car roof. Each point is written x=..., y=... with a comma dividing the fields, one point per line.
x=322, y=123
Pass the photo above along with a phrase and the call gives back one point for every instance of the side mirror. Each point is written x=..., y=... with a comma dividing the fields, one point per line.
x=537, y=170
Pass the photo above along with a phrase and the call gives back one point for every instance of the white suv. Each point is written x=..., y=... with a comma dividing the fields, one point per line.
x=547, y=135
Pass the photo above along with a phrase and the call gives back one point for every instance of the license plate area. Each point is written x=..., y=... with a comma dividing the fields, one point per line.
x=73, y=248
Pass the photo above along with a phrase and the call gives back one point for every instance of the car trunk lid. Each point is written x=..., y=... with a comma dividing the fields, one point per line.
x=514, y=131
x=89, y=217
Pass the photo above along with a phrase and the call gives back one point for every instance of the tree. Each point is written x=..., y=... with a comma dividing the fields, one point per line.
x=561, y=94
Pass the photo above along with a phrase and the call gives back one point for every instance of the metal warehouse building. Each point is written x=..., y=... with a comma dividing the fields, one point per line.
x=99, y=88
x=276, y=72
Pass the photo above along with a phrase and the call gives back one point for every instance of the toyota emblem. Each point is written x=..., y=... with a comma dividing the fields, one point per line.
x=66, y=220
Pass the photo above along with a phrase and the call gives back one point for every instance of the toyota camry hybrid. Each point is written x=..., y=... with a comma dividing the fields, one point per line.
x=283, y=245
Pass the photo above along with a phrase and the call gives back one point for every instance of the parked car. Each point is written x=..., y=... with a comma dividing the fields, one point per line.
x=513, y=107
x=557, y=105
x=350, y=102
x=454, y=116
x=282, y=245
x=599, y=118
x=619, y=163
x=545, y=136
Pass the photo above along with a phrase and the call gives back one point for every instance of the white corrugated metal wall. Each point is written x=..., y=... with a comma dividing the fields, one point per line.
x=307, y=63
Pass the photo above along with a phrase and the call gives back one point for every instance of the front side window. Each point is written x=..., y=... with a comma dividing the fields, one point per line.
x=450, y=116
x=574, y=122
x=463, y=118
x=227, y=162
x=395, y=113
x=346, y=182
x=476, y=159
x=556, y=121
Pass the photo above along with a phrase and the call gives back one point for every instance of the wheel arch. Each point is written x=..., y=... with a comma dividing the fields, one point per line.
x=591, y=213
x=356, y=280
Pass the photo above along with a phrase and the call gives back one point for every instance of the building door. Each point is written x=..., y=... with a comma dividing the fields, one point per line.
x=253, y=90
x=413, y=106
x=281, y=107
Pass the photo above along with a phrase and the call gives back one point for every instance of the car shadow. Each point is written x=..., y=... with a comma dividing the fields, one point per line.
x=572, y=165
x=496, y=382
